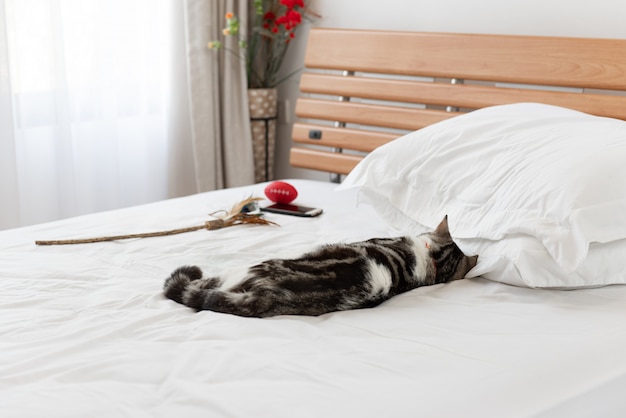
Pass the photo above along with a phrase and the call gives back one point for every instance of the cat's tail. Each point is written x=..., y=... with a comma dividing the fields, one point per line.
x=187, y=287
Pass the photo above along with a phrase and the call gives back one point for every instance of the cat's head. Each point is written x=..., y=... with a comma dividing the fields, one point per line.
x=450, y=262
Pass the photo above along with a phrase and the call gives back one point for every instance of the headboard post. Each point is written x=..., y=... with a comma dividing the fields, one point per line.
x=336, y=177
x=454, y=81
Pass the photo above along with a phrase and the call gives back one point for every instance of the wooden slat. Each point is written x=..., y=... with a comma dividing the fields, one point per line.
x=323, y=161
x=369, y=114
x=354, y=139
x=458, y=95
x=557, y=61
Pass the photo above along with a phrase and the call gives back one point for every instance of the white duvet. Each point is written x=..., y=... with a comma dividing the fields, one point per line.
x=86, y=332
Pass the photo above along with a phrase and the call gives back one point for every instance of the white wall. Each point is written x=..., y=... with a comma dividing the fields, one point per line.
x=580, y=18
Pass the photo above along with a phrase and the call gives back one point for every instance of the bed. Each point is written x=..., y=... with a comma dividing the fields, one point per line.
x=520, y=140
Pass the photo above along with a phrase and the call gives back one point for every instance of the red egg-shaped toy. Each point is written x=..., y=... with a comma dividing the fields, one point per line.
x=281, y=192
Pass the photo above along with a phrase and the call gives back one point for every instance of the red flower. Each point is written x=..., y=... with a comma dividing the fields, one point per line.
x=271, y=31
x=290, y=20
x=292, y=3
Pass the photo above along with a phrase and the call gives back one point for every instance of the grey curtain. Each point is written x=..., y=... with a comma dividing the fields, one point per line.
x=220, y=122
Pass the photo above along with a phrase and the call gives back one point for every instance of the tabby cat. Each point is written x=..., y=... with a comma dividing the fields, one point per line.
x=335, y=277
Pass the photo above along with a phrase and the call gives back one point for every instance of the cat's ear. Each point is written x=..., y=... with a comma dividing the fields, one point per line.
x=471, y=261
x=442, y=229
x=465, y=266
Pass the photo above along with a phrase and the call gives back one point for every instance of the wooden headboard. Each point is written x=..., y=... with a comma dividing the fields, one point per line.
x=363, y=88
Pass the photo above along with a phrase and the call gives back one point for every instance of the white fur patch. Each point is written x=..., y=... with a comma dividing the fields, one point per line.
x=421, y=246
x=379, y=278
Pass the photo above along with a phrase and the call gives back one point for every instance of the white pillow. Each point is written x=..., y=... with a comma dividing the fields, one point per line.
x=523, y=261
x=545, y=172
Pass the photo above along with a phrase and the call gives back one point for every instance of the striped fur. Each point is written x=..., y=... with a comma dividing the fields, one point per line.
x=334, y=277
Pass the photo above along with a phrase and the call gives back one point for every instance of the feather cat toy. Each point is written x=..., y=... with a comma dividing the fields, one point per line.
x=244, y=212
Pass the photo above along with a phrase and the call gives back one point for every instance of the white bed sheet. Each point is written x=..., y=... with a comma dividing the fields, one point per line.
x=85, y=330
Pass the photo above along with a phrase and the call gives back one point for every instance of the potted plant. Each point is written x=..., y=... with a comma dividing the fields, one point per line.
x=263, y=50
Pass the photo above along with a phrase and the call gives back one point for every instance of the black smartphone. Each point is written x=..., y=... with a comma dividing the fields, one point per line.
x=294, y=210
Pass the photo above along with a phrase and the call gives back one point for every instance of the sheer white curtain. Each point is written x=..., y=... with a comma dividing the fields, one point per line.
x=86, y=107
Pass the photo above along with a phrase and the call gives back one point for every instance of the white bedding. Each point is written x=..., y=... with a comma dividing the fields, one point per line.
x=86, y=332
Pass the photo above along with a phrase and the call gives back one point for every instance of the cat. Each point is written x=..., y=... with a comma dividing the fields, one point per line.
x=335, y=277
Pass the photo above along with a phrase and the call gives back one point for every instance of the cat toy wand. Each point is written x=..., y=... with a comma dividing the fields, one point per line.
x=244, y=212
